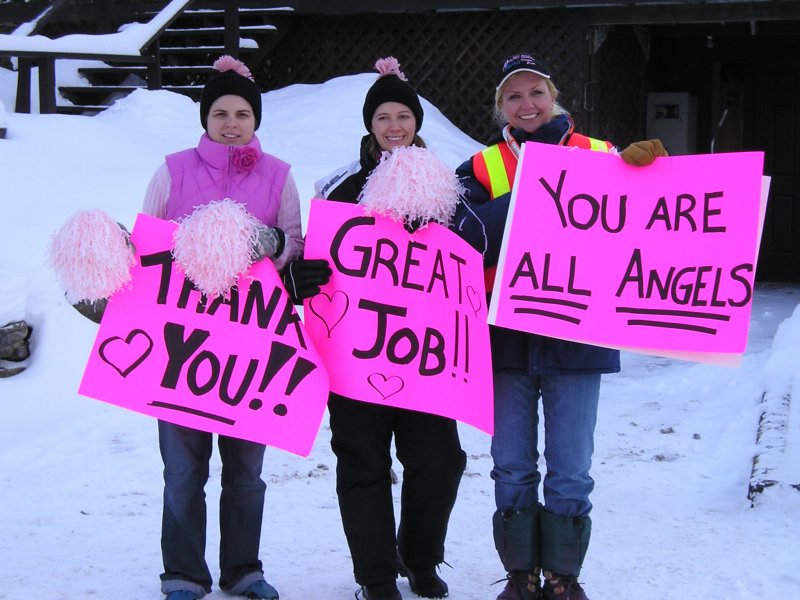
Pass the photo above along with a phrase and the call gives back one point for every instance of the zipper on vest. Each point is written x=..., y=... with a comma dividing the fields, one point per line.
x=229, y=172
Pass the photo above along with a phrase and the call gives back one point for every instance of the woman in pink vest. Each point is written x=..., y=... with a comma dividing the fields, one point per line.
x=227, y=163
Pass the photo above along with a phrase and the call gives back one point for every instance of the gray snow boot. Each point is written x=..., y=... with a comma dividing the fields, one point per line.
x=516, y=539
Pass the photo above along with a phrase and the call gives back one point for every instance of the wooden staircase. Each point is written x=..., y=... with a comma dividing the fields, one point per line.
x=178, y=58
x=185, y=52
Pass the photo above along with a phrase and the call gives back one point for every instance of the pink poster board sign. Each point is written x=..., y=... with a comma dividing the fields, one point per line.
x=725, y=359
x=242, y=365
x=659, y=257
x=402, y=321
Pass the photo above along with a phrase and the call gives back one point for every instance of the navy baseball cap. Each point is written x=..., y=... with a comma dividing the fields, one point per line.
x=517, y=63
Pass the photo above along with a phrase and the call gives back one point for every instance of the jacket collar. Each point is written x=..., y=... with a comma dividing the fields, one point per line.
x=217, y=155
x=556, y=131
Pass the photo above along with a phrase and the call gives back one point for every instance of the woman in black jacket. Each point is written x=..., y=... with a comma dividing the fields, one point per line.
x=427, y=445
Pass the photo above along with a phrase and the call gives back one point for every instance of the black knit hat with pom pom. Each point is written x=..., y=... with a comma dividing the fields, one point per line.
x=391, y=86
x=234, y=79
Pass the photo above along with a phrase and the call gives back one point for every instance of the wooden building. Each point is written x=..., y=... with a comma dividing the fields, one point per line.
x=703, y=75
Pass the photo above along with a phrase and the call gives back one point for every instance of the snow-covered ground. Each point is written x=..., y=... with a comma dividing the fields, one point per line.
x=80, y=480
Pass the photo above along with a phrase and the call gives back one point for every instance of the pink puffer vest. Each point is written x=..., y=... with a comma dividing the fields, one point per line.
x=214, y=171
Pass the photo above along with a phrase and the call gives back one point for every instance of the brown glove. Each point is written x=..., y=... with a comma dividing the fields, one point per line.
x=641, y=154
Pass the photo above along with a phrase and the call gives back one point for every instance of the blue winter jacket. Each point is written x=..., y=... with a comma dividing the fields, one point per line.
x=480, y=220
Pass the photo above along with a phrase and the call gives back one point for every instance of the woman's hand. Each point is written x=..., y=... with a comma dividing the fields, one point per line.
x=270, y=243
x=304, y=277
x=641, y=154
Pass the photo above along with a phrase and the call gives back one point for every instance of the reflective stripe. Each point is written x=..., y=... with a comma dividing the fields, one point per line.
x=497, y=165
x=481, y=174
x=598, y=145
x=587, y=143
x=496, y=168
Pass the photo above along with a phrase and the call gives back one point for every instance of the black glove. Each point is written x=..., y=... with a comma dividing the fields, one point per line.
x=93, y=311
x=303, y=277
x=411, y=225
x=127, y=237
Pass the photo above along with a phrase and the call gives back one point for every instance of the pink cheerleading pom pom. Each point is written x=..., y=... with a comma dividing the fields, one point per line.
x=228, y=63
x=412, y=185
x=214, y=245
x=389, y=66
x=91, y=255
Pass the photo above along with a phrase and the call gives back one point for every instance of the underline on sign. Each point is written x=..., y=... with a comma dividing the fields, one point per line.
x=569, y=303
x=193, y=411
x=672, y=313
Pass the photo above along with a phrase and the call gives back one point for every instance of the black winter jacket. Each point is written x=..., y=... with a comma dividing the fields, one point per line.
x=350, y=187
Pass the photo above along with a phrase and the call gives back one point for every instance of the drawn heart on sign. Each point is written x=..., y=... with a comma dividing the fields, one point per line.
x=474, y=298
x=330, y=309
x=386, y=386
x=132, y=351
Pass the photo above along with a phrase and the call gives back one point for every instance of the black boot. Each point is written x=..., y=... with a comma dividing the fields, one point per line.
x=380, y=591
x=424, y=582
x=564, y=544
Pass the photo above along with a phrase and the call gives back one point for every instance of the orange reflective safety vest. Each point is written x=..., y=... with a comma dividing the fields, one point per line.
x=496, y=166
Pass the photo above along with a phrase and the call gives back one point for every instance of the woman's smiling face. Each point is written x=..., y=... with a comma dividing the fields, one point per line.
x=231, y=121
x=394, y=125
x=526, y=101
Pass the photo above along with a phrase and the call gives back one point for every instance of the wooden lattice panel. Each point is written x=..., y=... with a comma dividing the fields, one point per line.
x=451, y=58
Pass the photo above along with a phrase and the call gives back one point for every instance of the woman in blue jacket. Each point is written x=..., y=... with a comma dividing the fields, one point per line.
x=541, y=543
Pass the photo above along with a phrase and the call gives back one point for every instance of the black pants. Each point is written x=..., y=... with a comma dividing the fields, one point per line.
x=433, y=461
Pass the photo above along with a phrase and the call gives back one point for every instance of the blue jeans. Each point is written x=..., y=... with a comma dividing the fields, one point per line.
x=569, y=404
x=186, y=454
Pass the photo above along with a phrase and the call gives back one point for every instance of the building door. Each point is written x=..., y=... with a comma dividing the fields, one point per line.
x=776, y=129
x=746, y=78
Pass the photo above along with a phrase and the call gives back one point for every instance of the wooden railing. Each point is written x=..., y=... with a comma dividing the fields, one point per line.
x=43, y=53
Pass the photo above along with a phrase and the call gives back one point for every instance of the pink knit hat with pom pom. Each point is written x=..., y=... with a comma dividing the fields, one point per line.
x=391, y=86
x=234, y=79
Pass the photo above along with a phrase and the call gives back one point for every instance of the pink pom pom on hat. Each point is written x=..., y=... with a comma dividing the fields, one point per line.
x=91, y=255
x=227, y=63
x=391, y=86
x=412, y=184
x=389, y=66
x=234, y=78
x=214, y=245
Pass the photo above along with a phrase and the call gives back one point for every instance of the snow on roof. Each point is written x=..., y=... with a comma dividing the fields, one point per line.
x=129, y=41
